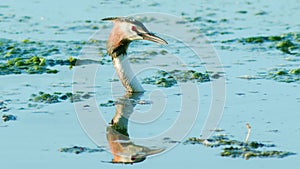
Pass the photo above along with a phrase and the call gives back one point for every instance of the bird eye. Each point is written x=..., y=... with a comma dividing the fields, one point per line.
x=133, y=28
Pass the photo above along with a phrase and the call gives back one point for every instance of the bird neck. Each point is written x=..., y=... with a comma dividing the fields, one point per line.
x=126, y=75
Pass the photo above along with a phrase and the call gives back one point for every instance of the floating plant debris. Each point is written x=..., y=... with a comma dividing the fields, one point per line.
x=35, y=57
x=8, y=117
x=32, y=65
x=45, y=98
x=277, y=74
x=27, y=48
x=58, y=97
x=247, y=153
x=3, y=107
x=235, y=148
x=283, y=75
x=79, y=150
x=168, y=79
x=109, y=103
x=287, y=43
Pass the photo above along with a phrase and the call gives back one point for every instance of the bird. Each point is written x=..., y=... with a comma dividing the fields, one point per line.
x=124, y=31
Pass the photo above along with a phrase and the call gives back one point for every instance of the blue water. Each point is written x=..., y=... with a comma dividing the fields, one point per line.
x=33, y=140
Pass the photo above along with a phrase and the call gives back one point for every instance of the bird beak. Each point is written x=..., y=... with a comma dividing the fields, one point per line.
x=153, y=38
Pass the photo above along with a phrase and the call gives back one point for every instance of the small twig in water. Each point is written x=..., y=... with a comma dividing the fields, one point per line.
x=249, y=131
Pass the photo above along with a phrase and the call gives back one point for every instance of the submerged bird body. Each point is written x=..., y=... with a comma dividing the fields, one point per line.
x=126, y=30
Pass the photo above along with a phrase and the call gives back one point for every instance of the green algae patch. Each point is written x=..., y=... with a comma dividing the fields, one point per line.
x=236, y=148
x=80, y=149
x=35, y=57
x=169, y=79
x=45, y=98
x=27, y=48
x=286, y=46
x=111, y=103
x=248, y=153
x=57, y=97
x=283, y=75
x=33, y=65
x=287, y=43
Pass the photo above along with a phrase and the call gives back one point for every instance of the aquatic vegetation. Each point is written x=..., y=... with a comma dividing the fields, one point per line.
x=35, y=57
x=27, y=48
x=109, y=103
x=45, y=97
x=8, y=117
x=79, y=150
x=283, y=75
x=247, y=153
x=286, y=46
x=235, y=148
x=3, y=106
x=56, y=97
x=168, y=79
x=162, y=79
x=287, y=43
x=138, y=59
x=33, y=65
x=19, y=65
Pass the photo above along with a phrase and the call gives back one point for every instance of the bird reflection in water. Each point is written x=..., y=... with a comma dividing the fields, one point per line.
x=122, y=147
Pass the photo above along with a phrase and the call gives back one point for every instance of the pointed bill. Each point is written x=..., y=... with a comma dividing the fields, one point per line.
x=153, y=38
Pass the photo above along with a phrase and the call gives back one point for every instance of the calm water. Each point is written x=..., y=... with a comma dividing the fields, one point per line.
x=33, y=140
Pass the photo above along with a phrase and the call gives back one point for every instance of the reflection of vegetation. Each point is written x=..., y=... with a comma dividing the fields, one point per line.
x=287, y=43
x=235, y=148
x=58, y=97
x=168, y=79
x=79, y=149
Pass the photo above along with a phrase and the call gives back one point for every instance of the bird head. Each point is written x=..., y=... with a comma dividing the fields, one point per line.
x=126, y=30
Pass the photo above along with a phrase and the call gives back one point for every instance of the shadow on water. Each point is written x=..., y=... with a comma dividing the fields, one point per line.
x=124, y=150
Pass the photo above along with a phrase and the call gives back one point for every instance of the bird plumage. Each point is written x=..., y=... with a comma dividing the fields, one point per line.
x=125, y=31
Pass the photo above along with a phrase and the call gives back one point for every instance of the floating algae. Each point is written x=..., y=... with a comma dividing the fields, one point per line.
x=35, y=57
x=287, y=43
x=168, y=79
x=283, y=75
x=79, y=150
x=3, y=106
x=32, y=65
x=56, y=97
x=235, y=148
x=27, y=48
x=109, y=103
